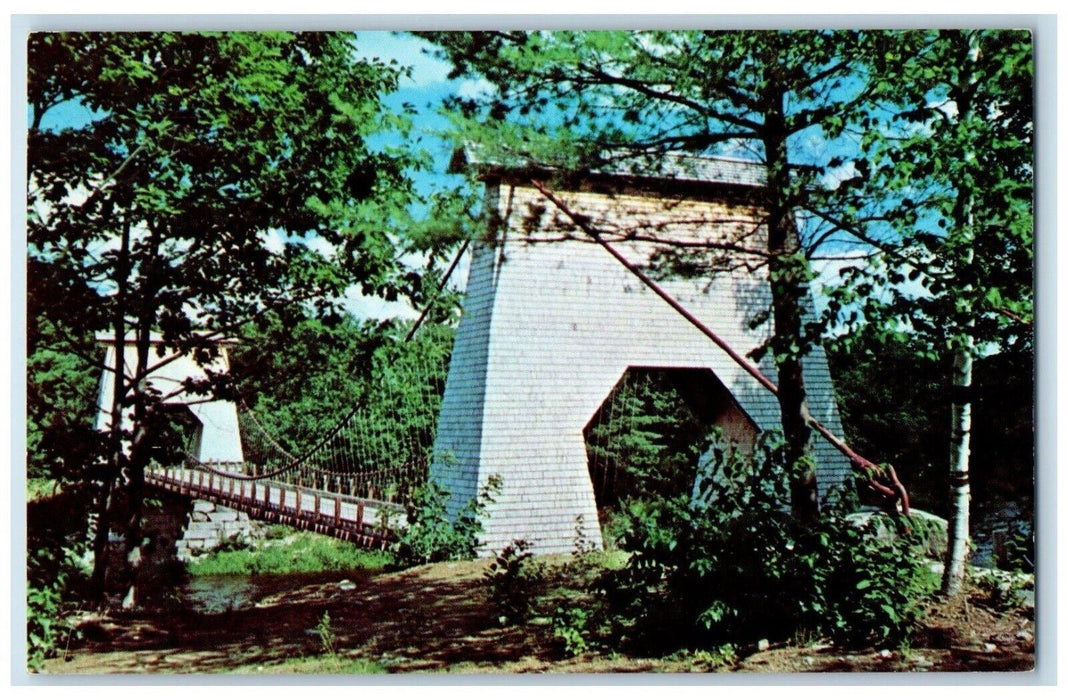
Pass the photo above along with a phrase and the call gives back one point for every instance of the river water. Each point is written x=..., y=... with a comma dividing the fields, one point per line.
x=216, y=594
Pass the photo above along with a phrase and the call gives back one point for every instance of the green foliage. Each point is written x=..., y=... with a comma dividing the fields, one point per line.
x=1001, y=591
x=645, y=440
x=50, y=598
x=513, y=581
x=431, y=534
x=894, y=402
x=61, y=379
x=571, y=628
x=949, y=179
x=40, y=488
x=1018, y=552
x=303, y=552
x=327, y=638
x=861, y=590
x=217, y=176
x=730, y=564
x=43, y=621
x=301, y=374
x=722, y=657
x=56, y=573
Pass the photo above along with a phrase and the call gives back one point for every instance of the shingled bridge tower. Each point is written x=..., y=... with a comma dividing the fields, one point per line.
x=552, y=322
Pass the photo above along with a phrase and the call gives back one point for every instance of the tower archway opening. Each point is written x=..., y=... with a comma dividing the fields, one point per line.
x=647, y=439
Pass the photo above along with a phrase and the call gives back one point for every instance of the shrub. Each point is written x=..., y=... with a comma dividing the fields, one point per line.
x=47, y=602
x=571, y=628
x=513, y=582
x=327, y=638
x=43, y=622
x=430, y=535
x=729, y=563
x=1017, y=552
x=718, y=658
x=861, y=589
x=1001, y=591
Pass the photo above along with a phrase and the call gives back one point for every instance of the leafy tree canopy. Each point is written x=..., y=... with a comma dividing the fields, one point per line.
x=220, y=178
x=238, y=164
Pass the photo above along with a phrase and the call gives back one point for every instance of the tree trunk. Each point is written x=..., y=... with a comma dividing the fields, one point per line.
x=787, y=293
x=961, y=381
x=959, y=489
x=134, y=533
x=145, y=414
x=116, y=455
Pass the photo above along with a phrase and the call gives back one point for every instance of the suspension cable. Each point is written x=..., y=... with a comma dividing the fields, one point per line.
x=883, y=482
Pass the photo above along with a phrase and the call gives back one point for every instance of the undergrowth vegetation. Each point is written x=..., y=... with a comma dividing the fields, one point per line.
x=724, y=566
x=294, y=553
x=430, y=534
x=49, y=600
x=730, y=564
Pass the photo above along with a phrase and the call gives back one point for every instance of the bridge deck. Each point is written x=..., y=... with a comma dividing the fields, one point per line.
x=362, y=521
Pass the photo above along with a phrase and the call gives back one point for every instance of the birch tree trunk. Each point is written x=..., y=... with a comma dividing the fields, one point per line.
x=959, y=488
x=961, y=380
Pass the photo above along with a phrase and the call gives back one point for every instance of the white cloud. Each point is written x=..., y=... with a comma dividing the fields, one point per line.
x=833, y=177
x=378, y=308
x=406, y=50
x=474, y=89
x=321, y=246
x=273, y=240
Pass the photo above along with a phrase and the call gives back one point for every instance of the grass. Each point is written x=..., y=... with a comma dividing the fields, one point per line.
x=296, y=553
x=325, y=665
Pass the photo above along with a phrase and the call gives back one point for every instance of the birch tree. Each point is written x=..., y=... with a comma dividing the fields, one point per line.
x=957, y=158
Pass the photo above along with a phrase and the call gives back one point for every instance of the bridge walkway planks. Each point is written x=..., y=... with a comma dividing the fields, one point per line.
x=364, y=522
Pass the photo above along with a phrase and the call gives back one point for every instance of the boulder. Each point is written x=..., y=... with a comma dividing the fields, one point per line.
x=932, y=529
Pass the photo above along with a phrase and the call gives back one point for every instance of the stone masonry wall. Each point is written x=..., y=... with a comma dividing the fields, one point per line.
x=209, y=525
x=551, y=323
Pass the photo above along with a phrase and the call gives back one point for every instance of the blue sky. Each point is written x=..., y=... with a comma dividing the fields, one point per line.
x=429, y=84
x=425, y=88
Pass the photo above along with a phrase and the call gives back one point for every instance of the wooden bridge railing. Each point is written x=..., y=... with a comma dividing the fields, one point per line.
x=365, y=522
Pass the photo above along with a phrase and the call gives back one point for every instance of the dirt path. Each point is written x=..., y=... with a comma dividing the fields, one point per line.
x=437, y=618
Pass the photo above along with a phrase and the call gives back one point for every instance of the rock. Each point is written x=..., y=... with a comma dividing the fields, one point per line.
x=763, y=645
x=1025, y=635
x=885, y=654
x=931, y=528
x=989, y=648
x=346, y=585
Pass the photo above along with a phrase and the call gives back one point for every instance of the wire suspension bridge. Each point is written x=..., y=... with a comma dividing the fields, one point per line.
x=352, y=480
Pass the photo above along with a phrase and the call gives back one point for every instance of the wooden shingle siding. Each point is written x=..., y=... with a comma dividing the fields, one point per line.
x=551, y=323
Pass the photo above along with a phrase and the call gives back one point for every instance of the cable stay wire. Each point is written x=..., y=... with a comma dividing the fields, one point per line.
x=363, y=434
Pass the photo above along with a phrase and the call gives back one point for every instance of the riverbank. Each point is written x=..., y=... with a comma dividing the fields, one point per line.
x=439, y=619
